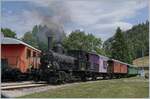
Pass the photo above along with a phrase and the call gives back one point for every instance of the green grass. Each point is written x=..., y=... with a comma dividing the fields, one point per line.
x=117, y=88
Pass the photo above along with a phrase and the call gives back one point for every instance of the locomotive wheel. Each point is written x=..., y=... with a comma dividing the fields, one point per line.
x=68, y=78
x=53, y=80
x=62, y=77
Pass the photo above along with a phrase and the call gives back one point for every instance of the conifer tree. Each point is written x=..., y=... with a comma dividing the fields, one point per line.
x=120, y=48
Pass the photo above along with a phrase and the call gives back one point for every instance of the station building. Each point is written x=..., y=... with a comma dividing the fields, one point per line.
x=19, y=54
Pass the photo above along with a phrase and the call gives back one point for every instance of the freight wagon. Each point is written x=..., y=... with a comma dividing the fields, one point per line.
x=89, y=65
x=117, y=68
x=132, y=70
x=98, y=65
x=17, y=58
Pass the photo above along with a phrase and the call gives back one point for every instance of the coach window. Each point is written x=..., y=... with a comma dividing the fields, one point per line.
x=38, y=54
x=105, y=64
x=34, y=54
x=28, y=53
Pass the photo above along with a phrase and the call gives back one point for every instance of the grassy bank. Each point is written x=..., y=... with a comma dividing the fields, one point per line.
x=122, y=88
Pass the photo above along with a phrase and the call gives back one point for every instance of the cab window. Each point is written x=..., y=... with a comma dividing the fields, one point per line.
x=28, y=53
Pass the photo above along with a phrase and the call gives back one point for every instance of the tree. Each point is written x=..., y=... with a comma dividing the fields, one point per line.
x=30, y=39
x=35, y=30
x=78, y=40
x=137, y=39
x=120, y=49
x=33, y=39
x=8, y=32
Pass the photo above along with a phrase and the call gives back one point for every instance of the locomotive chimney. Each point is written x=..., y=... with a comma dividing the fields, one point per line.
x=50, y=39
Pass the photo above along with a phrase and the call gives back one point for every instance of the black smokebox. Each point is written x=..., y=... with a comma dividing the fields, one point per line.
x=58, y=48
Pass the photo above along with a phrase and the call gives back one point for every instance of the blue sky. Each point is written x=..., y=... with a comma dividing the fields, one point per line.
x=99, y=17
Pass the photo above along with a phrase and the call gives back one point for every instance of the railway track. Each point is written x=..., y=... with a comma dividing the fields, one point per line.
x=21, y=85
x=16, y=83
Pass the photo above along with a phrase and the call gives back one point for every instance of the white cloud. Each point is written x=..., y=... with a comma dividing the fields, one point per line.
x=100, y=17
x=87, y=12
x=122, y=25
x=107, y=30
x=44, y=3
x=22, y=22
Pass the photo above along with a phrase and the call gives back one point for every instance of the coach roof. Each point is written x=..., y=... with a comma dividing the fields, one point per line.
x=121, y=62
x=94, y=53
x=7, y=40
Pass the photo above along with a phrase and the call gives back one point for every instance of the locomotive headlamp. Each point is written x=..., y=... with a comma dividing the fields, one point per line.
x=49, y=65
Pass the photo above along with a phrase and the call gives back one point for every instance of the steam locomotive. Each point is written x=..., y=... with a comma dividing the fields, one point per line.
x=57, y=67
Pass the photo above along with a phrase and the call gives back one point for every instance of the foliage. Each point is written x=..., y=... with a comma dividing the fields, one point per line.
x=42, y=46
x=120, y=49
x=30, y=39
x=137, y=39
x=79, y=40
x=76, y=40
x=8, y=32
x=39, y=37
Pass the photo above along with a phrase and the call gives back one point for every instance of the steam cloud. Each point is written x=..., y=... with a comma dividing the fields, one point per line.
x=53, y=21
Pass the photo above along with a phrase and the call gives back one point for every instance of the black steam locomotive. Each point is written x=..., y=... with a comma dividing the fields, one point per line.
x=57, y=67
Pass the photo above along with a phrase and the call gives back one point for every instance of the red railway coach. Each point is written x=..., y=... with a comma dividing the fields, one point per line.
x=19, y=54
x=117, y=67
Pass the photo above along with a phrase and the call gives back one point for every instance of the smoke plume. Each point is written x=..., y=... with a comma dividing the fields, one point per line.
x=53, y=21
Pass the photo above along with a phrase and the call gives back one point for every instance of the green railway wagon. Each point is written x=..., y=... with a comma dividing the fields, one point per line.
x=132, y=71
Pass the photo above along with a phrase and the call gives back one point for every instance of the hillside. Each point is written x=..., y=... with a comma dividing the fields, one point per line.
x=137, y=38
x=142, y=62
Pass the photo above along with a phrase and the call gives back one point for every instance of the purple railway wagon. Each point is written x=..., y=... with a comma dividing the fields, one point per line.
x=98, y=63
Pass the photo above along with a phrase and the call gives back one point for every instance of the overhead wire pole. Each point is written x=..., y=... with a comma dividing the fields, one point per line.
x=143, y=57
